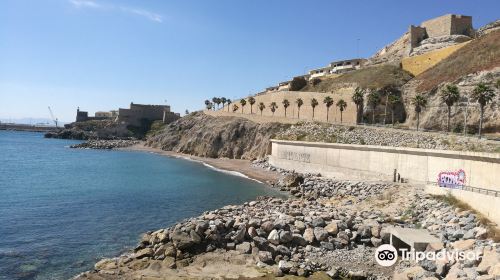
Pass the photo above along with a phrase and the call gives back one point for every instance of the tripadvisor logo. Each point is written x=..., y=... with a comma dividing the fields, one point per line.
x=387, y=255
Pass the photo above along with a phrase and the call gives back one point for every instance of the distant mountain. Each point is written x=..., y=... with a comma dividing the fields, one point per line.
x=30, y=121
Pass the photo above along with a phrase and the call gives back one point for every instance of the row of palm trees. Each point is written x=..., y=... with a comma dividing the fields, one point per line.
x=328, y=101
x=450, y=94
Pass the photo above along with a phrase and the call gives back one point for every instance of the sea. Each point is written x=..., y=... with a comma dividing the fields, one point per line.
x=63, y=209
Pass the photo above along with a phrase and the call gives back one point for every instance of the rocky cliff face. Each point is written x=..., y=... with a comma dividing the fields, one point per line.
x=202, y=135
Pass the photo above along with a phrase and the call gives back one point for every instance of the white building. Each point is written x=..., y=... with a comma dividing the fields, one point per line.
x=342, y=66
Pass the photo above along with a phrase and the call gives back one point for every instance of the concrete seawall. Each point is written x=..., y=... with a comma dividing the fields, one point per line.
x=470, y=176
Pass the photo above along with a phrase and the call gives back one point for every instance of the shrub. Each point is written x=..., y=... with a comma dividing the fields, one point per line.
x=298, y=83
x=315, y=81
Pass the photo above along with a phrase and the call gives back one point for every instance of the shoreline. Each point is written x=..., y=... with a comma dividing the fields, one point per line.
x=235, y=167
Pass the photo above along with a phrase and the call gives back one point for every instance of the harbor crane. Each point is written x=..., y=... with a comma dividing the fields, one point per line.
x=54, y=119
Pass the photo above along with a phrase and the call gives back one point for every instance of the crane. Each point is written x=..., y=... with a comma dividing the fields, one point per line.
x=54, y=119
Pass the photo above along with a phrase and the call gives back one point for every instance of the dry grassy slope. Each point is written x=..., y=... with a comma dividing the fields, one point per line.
x=479, y=55
x=478, y=61
x=203, y=135
x=371, y=77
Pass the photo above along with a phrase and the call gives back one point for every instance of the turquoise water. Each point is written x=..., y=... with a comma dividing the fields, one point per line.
x=62, y=209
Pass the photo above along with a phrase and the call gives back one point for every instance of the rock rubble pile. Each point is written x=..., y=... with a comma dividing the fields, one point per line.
x=105, y=144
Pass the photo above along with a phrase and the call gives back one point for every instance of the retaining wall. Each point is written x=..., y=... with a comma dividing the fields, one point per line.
x=306, y=111
x=482, y=170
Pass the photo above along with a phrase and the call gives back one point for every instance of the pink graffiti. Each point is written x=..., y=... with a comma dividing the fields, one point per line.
x=452, y=179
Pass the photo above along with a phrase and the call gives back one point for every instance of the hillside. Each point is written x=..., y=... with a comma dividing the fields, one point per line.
x=371, y=77
x=202, y=135
x=477, y=62
x=479, y=55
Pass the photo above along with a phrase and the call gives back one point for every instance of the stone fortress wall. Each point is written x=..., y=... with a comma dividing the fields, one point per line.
x=292, y=112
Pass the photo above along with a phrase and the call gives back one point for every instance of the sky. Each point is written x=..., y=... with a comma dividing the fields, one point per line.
x=100, y=55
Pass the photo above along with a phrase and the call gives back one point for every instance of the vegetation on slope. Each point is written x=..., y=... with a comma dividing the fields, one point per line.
x=371, y=77
x=480, y=54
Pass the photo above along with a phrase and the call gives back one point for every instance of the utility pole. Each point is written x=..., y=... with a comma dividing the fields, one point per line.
x=357, y=48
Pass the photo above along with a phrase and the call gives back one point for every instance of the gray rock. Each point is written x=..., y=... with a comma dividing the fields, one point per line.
x=274, y=237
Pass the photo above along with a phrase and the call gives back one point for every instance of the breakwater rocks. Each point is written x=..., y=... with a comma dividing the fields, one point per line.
x=316, y=132
x=105, y=144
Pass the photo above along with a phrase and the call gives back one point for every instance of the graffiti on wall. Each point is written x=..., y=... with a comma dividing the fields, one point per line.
x=303, y=157
x=452, y=179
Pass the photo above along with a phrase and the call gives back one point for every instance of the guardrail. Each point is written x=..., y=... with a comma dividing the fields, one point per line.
x=472, y=189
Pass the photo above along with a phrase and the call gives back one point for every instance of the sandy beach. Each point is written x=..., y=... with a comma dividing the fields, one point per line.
x=232, y=165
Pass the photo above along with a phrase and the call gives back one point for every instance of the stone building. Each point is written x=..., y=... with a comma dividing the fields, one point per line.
x=83, y=116
x=138, y=113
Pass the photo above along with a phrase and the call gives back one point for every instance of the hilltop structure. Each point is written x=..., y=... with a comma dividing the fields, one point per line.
x=136, y=115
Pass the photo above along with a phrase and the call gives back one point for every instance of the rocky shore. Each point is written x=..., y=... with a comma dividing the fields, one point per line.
x=327, y=225
x=105, y=144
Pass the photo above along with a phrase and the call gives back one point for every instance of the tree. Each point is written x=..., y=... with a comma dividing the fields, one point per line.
x=393, y=101
x=243, y=102
x=251, y=100
x=449, y=95
x=228, y=103
x=209, y=105
x=483, y=95
x=285, y=103
x=261, y=107
x=328, y=101
x=419, y=101
x=387, y=91
x=273, y=106
x=298, y=83
x=186, y=112
x=215, y=100
x=314, y=103
x=235, y=107
x=373, y=101
x=299, y=103
x=358, y=99
x=342, y=105
x=223, y=100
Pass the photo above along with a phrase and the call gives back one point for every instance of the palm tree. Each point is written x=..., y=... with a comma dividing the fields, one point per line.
x=387, y=91
x=328, y=101
x=358, y=99
x=342, y=105
x=235, y=108
x=261, y=107
x=228, y=103
x=223, y=100
x=243, y=102
x=285, y=103
x=373, y=101
x=314, y=103
x=251, y=100
x=215, y=100
x=273, y=106
x=299, y=103
x=449, y=95
x=419, y=101
x=207, y=103
x=483, y=94
x=393, y=101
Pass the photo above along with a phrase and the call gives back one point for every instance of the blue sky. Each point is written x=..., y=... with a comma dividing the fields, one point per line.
x=103, y=54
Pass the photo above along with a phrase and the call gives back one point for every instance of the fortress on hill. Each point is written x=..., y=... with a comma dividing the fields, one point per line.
x=136, y=115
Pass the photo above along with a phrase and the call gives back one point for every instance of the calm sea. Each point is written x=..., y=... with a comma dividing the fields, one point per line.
x=63, y=209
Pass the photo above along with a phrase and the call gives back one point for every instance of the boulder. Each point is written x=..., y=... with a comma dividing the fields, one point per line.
x=320, y=234
x=309, y=235
x=274, y=237
x=144, y=253
x=332, y=228
x=244, y=248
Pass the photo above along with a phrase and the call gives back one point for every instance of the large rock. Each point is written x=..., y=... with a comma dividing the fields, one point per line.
x=181, y=239
x=309, y=235
x=274, y=237
x=320, y=234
